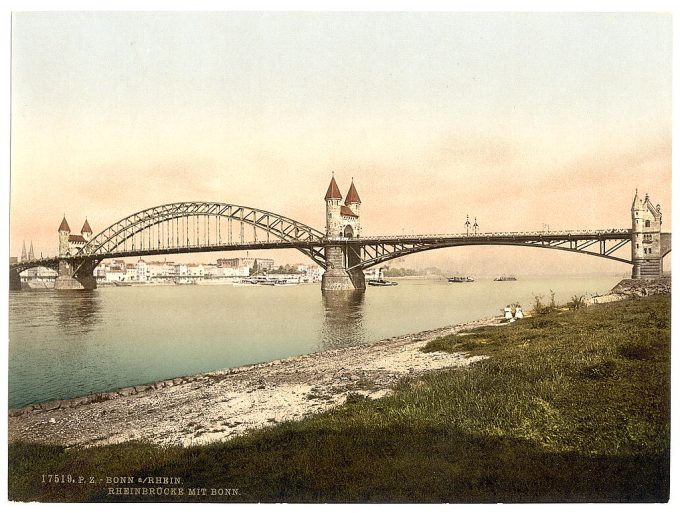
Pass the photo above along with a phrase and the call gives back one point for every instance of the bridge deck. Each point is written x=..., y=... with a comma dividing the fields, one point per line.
x=535, y=237
x=581, y=235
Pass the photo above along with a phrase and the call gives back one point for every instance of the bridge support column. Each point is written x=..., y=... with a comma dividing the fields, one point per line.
x=83, y=280
x=14, y=280
x=337, y=276
x=647, y=268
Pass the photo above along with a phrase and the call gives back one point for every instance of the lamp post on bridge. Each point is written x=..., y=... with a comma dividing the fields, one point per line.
x=467, y=225
x=475, y=226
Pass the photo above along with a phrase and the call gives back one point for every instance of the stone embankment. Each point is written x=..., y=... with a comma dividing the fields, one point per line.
x=633, y=288
x=220, y=405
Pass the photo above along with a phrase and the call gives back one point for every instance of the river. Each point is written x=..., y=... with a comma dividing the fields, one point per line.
x=64, y=344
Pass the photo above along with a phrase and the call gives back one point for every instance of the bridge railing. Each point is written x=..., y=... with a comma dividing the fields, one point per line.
x=542, y=233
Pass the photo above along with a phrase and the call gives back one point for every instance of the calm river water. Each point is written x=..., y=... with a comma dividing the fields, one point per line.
x=64, y=344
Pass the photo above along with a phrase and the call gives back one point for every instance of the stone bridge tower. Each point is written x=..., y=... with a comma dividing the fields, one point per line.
x=343, y=226
x=74, y=274
x=648, y=244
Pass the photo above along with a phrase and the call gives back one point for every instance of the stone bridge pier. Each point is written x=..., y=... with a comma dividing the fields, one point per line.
x=76, y=275
x=14, y=280
x=338, y=276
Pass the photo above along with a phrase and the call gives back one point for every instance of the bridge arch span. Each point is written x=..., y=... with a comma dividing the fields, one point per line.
x=15, y=269
x=50, y=263
x=398, y=252
x=196, y=224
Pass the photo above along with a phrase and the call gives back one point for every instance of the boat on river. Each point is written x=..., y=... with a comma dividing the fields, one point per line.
x=382, y=283
x=461, y=279
x=380, y=280
x=505, y=277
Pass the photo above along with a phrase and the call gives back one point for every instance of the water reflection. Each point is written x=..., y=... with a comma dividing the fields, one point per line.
x=343, y=323
x=78, y=311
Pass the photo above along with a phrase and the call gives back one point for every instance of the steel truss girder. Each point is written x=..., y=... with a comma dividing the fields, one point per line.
x=378, y=252
x=109, y=241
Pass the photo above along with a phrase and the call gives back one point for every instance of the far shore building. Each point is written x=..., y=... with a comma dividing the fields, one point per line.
x=263, y=264
x=312, y=272
x=130, y=272
x=141, y=268
x=195, y=270
x=114, y=275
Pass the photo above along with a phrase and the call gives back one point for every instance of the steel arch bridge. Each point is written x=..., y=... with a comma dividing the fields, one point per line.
x=600, y=243
x=196, y=227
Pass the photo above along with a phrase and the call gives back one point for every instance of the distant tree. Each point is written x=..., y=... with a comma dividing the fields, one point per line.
x=286, y=269
x=434, y=270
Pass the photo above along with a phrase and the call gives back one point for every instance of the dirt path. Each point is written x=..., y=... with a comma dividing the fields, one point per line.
x=220, y=405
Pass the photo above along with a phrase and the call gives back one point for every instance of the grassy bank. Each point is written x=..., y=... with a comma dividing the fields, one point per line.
x=571, y=406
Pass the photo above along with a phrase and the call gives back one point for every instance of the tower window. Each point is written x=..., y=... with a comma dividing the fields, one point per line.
x=647, y=223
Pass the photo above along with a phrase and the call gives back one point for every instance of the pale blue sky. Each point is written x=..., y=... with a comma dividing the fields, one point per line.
x=554, y=118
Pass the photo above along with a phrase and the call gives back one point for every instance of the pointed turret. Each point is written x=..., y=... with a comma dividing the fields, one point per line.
x=64, y=227
x=353, y=204
x=30, y=252
x=86, y=227
x=352, y=195
x=333, y=191
x=333, y=198
x=64, y=231
x=86, y=231
x=24, y=257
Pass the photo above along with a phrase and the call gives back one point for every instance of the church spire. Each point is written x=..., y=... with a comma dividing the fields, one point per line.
x=30, y=252
x=24, y=257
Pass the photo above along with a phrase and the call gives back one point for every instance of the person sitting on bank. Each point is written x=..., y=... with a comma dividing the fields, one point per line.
x=507, y=313
x=518, y=312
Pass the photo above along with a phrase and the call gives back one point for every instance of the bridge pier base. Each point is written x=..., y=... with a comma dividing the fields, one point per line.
x=648, y=268
x=342, y=279
x=337, y=275
x=14, y=280
x=84, y=280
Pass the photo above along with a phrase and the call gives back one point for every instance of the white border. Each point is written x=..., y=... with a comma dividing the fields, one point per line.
x=294, y=5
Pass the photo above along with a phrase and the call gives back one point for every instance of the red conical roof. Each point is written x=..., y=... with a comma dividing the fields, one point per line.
x=64, y=227
x=333, y=191
x=352, y=195
x=86, y=227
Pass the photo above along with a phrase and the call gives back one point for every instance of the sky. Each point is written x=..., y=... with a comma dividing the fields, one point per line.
x=521, y=120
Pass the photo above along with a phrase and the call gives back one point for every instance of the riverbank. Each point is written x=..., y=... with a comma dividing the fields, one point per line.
x=628, y=288
x=219, y=405
x=570, y=406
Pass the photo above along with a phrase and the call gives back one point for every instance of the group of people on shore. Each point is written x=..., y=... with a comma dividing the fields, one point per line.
x=511, y=316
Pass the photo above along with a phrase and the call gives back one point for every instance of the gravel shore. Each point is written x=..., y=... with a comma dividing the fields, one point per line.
x=219, y=405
